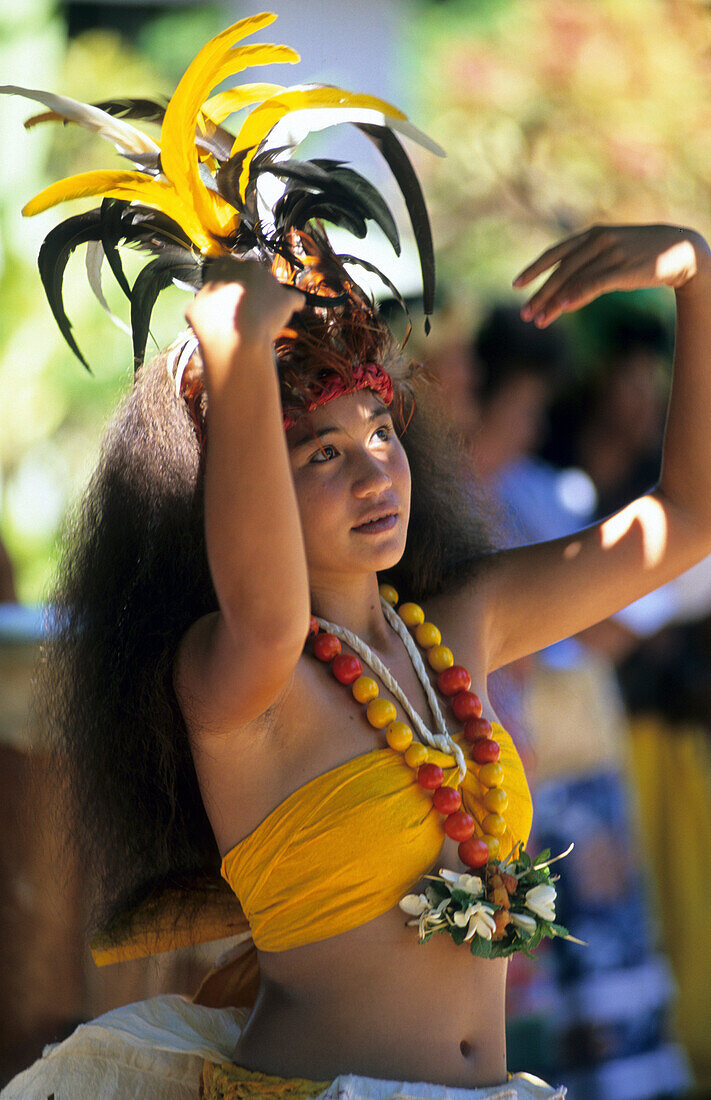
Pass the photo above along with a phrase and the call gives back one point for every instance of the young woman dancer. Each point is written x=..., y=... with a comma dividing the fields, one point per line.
x=308, y=520
x=227, y=738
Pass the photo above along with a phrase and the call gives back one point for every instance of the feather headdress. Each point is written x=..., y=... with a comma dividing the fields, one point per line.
x=201, y=192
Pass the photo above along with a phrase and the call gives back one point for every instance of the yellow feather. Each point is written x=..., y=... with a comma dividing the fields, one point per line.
x=217, y=60
x=220, y=106
x=178, y=154
x=133, y=186
x=263, y=118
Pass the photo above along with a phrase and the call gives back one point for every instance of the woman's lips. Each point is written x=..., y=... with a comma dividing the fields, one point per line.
x=375, y=526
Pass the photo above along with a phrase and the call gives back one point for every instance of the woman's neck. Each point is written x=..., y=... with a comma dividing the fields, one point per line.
x=355, y=604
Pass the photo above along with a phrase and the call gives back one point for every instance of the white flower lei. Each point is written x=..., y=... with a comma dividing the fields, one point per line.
x=464, y=906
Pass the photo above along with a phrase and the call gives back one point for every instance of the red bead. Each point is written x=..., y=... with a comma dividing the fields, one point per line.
x=474, y=728
x=485, y=751
x=466, y=705
x=346, y=668
x=447, y=800
x=326, y=646
x=430, y=776
x=313, y=626
x=453, y=680
x=459, y=826
x=474, y=852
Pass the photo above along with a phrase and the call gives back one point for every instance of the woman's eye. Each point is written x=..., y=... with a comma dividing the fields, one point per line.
x=384, y=433
x=324, y=454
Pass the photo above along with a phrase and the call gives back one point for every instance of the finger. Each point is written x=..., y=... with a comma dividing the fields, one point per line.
x=574, y=263
x=579, y=291
x=548, y=258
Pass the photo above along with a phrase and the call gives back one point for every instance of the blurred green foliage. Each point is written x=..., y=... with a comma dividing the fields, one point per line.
x=54, y=411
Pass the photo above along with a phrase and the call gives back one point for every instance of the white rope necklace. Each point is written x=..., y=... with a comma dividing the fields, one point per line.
x=440, y=740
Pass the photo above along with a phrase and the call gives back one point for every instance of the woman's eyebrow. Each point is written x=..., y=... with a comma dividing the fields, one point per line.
x=312, y=435
x=374, y=414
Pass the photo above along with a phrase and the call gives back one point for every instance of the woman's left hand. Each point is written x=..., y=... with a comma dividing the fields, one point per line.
x=613, y=257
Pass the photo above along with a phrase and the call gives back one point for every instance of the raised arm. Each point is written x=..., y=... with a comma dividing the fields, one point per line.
x=536, y=595
x=232, y=665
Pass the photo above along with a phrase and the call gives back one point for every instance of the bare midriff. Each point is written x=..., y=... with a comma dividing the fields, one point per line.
x=375, y=1002
x=372, y=1001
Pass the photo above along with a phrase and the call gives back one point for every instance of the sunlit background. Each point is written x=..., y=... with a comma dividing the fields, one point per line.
x=553, y=114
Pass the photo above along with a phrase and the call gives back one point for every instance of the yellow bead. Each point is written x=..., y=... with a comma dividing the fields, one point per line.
x=388, y=593
x=427, y=635
x=491, y=775
x=380, y=713
x=416, y=755
x=364, y=689
x=496, y=800
x=494, y=824
x=492, y=844
x=411, y=614
x=398, y=736
x=440, y=657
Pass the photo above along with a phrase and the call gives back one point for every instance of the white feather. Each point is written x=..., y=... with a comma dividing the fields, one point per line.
x=127, y=139
x=293, y=128
x=94, y=260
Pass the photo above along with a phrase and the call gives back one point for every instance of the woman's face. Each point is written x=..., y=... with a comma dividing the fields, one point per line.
x=352, y=484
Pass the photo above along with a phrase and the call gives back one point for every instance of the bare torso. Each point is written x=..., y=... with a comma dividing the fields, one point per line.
x=373, y=1000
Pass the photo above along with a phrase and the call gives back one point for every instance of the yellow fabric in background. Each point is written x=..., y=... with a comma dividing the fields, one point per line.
x=672, y=775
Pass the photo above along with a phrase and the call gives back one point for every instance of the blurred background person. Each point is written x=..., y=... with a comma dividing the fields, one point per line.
x=610, y=424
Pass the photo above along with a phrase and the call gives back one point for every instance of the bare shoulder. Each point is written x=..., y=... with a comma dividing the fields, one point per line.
x=462, y=616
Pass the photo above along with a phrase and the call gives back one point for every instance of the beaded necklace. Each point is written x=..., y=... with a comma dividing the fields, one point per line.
x=434, y=751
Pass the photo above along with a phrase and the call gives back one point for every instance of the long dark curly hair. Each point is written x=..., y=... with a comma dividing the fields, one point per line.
x=134, y=576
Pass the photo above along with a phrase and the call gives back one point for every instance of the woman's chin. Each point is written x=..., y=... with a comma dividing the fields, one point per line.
x=385, y=554
x=369, y=559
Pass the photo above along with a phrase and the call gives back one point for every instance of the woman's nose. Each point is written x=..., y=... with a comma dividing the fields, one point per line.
x=372, y=477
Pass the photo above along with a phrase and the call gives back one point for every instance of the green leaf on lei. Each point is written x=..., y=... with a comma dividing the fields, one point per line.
x=458, y=933
x=480, y=947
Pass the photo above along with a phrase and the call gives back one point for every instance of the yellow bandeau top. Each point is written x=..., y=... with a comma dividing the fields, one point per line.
x=344, y=848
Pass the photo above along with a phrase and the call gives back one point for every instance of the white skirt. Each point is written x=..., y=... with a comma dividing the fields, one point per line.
x=154, y=1050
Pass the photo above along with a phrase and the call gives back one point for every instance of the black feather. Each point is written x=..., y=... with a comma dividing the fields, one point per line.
x=144, y=162
x=306, y=172
x=111, y=233
x=155, y=276
x=150, y=230
x=401, y=167
x=147, y=110
x=54, y=254
x=346, y=197
x=216, y=140
x=367, y=266
x=370, y=202
x=227, y=180
x=296, y=207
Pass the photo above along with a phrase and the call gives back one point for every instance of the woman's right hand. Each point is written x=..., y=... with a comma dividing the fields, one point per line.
x=242, y=304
